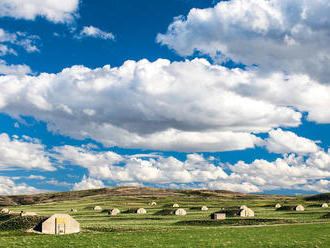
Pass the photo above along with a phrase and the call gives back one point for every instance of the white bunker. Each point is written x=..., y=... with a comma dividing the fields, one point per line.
x=60, y=224
x=299, y=208
x=114, y=211
x=141, y=211
x=180, y=211
x=247, y=212
x=324, y=205
x=175, y=205
x=5, y=211
x=97, y=208
x=204, y=208
x=278, y=205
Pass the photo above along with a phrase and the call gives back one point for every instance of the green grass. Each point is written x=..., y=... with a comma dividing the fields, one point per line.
x=159, y=228
x=312, y=235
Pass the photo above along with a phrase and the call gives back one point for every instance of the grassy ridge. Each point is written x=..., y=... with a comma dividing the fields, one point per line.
x=160, y=228
x=150, y=193
x=15, y=222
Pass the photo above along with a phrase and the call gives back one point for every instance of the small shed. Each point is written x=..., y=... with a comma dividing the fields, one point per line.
x=97, y=208
x=246, y=212
x=60, y=224
x=141, y=211
x=204, y=208
x=299, y=208
x=324, y=205
x=218, y=216
x=175, y=205
x=180, y=211
x=114, y=211
x=278, y=205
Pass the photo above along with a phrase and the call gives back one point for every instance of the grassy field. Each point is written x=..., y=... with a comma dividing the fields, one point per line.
x=269, y=228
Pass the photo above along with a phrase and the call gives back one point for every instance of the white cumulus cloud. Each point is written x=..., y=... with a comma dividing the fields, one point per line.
x=88, y=183
x=292, y=171
x=9, y=187
x=94, y=32
x=24, y=154
x=280, y=141
x=156, y=105
x=289, y=172
x=140, y=169
x=36, y=177
x=10, y=41
x=13, y=69
x=53, y=10
x=275, y=35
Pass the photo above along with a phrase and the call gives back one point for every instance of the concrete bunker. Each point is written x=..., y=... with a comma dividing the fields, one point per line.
x=324, y=205
x=141, y=211
x=278, y=205
x=247, y=212
x=5, y=211
x=60, y=224
x=218, y=216
x=180, y=211
x=299, y=208
x=114, y=211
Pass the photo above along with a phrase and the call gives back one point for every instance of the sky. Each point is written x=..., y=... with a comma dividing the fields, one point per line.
x=197, y=94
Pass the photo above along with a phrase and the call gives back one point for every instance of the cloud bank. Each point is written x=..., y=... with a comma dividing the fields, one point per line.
x=307, y=170
x=9, y=187
x=163, y=106
x=292, y=171
x=293, y=35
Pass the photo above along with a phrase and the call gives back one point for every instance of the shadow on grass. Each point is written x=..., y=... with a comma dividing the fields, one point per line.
x=235, y=222
x=326, y=216
x=304, y=213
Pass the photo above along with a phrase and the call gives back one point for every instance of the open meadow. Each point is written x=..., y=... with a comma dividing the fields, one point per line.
x=157, y=228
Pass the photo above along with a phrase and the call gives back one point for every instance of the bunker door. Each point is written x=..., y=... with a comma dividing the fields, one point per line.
x=60, y=223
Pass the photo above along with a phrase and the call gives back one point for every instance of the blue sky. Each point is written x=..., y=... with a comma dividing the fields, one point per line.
x=179, y=94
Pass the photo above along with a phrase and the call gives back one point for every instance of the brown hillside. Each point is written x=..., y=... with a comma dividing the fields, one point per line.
x=124, y=191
